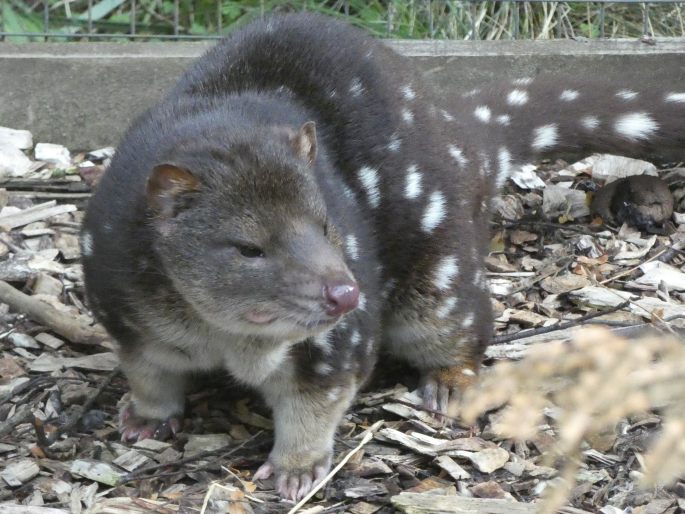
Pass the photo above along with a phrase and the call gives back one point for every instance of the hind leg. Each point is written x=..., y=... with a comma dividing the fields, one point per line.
x=444, y=335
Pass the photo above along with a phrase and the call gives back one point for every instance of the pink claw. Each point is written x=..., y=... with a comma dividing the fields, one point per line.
x=264, y=471
x=135, y=428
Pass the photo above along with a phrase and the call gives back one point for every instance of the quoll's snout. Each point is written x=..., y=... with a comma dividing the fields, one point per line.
x=341, y=295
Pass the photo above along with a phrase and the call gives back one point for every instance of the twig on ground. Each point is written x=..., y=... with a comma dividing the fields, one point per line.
x=224, y=451
x=11, y=245
x=368, y=435
x=580, y=229
x=651, y=314
x=630, y=270
x=23, y=414
x=559, y=326
x=71, y=423
x=32, y=214
x=72, y=329
x=426, y=409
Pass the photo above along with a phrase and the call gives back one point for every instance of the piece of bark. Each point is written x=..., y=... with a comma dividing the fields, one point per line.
x=72, y=329
x=452, y=468
x=21, y=139
x=19, y=472
x=97, y=471
x=32, y=509
x=35, y=213
x=423, y=503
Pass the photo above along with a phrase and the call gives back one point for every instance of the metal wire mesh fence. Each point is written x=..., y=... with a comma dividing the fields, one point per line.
x=128, y=20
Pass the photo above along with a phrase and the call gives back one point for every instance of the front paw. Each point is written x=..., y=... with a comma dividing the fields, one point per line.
x=295, y=480
x=136, y=428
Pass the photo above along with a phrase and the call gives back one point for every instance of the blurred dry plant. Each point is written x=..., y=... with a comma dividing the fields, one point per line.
x=595, y=382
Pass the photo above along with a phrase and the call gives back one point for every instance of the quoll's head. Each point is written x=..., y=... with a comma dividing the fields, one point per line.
x=241, y=230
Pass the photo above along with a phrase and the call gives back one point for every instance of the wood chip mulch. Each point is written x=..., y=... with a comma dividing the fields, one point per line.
x=553, y=268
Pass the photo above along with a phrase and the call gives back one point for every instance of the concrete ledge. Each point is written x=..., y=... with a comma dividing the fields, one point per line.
x=85, y=94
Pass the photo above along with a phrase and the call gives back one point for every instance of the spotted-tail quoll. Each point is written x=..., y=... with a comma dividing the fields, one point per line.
x=303, y=194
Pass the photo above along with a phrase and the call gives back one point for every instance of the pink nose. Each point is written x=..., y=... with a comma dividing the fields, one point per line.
x=341, y=296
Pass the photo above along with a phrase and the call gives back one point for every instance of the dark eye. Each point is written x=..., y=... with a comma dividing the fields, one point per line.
x=251, y=252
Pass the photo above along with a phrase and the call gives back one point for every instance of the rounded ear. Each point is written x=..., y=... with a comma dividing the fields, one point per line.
x=166, y=185
x=304, y=142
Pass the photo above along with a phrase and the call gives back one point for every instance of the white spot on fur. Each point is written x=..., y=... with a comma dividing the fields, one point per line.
x=348, y=192
x=483, y=113
x=504, y=165
x=355, y=338
x=445, y=272
x=323, y=342
x=468, y=372
x=369, y=179
x=352, y=246
x=568, y=95
x=362, y=302
x=590, y=122
x=627, y=94
x=457, y=155
x=356, y=87
x=87, y=244
x=394, y=144
x=408, y=116
x=408, y=92
x=503, y=119
x=333, y=93
x=388, y=288
x=523, y=81
x=483, y=170
x=517, y=97
x=446, y=307
x=636, y=125
x=434, y=213
x=413, y=187
x=322, y=368
x=446, y=115
x=468, y=320
x=477, y=277
x=334, y=394
x=545, y=136
x=675, y=97
x=472, y=92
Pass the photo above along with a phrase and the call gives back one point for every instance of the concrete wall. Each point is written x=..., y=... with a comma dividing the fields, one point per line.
x=84, y=95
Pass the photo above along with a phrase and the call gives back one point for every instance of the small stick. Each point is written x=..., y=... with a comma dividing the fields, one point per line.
x=651, y=314
x=24, y=414
x=367, y=437
x=426, y=409
x=69, y=425
x=69, y=328
x=217, y=485
x=626, y=272
x=35, y=213
x=559, y=326
x=581, y=229
x=137, y=474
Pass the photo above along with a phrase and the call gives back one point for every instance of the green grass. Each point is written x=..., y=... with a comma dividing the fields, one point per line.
x=415, y=19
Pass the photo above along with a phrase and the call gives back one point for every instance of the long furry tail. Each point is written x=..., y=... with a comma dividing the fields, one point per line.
x=526, y=119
